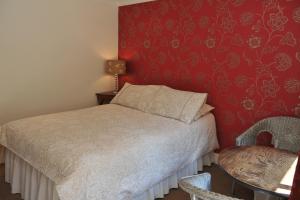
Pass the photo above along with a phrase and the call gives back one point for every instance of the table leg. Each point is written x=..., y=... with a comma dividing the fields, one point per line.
x=193, y=197
x=258, y=195
x=233, y=187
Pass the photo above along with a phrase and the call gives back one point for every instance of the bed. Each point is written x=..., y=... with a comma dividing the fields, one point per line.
x=108, y=152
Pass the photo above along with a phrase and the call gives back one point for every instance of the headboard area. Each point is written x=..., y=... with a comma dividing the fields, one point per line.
x=245, y=54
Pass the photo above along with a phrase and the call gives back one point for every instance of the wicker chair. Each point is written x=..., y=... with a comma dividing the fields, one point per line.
x=285, y=132
x=198, y=186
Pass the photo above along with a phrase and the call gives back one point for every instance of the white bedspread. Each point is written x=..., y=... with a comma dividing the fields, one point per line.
x=107, y=152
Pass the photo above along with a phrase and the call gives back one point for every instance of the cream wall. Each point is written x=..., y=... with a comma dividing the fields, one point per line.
x=52, y=54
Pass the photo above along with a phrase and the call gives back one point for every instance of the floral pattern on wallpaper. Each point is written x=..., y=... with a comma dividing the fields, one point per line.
x=244, y=53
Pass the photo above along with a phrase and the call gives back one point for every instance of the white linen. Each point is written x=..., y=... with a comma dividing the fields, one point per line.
x=176, y=104
x=33, y=185
x=107, y=152
x=136, y=96
x=206, y=108
x=29, y=182
x=162, y=100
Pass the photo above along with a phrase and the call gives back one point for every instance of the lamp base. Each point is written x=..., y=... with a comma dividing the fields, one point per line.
x=116, y=84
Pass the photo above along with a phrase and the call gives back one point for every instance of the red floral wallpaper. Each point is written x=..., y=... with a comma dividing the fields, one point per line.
x=244, y=53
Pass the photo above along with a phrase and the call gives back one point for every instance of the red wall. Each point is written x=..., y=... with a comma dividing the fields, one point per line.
x=244, y=53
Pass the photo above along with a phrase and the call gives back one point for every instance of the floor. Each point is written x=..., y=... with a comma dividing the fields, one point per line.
x=221, y=184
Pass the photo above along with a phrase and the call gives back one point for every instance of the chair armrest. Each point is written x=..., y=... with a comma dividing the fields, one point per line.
x=202, y=181
x=197, y=185
x=247, y=138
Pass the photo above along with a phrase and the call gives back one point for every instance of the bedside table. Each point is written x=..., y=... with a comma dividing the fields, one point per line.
x=105, y=97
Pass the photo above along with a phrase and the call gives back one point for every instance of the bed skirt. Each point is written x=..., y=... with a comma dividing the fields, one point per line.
x=33, y=185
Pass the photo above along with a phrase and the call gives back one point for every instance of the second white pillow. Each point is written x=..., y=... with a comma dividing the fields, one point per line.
x=180, y=105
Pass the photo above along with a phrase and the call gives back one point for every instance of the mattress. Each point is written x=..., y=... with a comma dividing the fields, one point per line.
x=107, y=152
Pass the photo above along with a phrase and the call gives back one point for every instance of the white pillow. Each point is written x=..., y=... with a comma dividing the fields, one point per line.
x=176, y=104
x=161, y=100
x=136, y=96
x=203, y=111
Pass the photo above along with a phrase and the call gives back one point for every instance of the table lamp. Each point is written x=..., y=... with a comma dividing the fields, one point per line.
x=116, y=67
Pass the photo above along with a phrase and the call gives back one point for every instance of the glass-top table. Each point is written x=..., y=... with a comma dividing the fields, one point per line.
x=261, y=168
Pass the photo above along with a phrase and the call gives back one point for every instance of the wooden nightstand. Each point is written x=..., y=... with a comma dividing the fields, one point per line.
x=105, y=97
